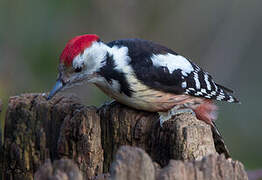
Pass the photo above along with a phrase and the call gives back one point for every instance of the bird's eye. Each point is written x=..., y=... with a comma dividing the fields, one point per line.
x=78, y=69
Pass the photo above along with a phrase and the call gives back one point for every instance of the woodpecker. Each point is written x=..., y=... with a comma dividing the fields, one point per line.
x=143, y=75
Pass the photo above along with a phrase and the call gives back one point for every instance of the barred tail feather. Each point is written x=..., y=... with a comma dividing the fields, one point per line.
x=224, y=94
x=225, y=88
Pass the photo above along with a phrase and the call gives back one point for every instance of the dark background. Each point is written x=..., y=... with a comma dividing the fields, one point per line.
x=222, y=36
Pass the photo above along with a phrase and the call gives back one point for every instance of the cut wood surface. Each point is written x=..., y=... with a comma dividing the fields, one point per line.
x=37, y=130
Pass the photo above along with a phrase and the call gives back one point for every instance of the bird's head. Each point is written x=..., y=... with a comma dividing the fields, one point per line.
x=80, y=60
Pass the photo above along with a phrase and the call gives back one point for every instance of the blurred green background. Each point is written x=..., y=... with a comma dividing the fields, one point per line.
x=222, y=36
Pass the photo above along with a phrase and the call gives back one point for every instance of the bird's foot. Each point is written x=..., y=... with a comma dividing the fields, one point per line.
x=165, y=116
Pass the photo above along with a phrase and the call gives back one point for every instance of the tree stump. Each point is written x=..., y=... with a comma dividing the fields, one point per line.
x=184, y=137
x=37, y=130
x=63, y=169
x=132, y=163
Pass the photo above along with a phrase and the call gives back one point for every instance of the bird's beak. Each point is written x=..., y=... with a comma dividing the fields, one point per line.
x=57, y=87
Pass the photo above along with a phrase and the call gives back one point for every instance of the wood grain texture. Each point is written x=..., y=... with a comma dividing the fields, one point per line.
x=37, y=130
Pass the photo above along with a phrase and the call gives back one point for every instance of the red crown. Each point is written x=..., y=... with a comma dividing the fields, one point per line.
x=76, y=46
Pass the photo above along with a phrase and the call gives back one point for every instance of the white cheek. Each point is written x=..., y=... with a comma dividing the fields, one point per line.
x=92, y=57
x=78, y=61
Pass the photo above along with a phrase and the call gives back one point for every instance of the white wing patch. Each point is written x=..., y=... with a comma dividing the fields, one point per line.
x=120, y=56
x=173, y=62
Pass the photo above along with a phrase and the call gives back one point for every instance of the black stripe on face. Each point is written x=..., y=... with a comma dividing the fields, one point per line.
x=109, y=72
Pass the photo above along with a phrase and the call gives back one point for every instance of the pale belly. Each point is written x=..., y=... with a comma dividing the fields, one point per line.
x=147, y=99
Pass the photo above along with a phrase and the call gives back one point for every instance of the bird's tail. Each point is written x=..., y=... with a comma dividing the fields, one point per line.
x=225, y=94
x=207, y=112
x=220, y=146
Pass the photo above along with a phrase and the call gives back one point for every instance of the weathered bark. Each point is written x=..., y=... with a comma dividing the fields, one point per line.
x=80, y=139
x=215, y=167
x=133, y=163
x=37, y=129
x=63, y=169
x=184, y=137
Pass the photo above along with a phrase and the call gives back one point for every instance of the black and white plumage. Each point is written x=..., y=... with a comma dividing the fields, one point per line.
x=163, y=69
x=139, y=73
x=143, y=75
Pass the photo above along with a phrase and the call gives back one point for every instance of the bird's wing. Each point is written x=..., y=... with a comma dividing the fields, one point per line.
x=163, y=69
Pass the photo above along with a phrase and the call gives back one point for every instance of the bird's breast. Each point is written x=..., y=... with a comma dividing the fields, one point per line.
x=143, y=97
